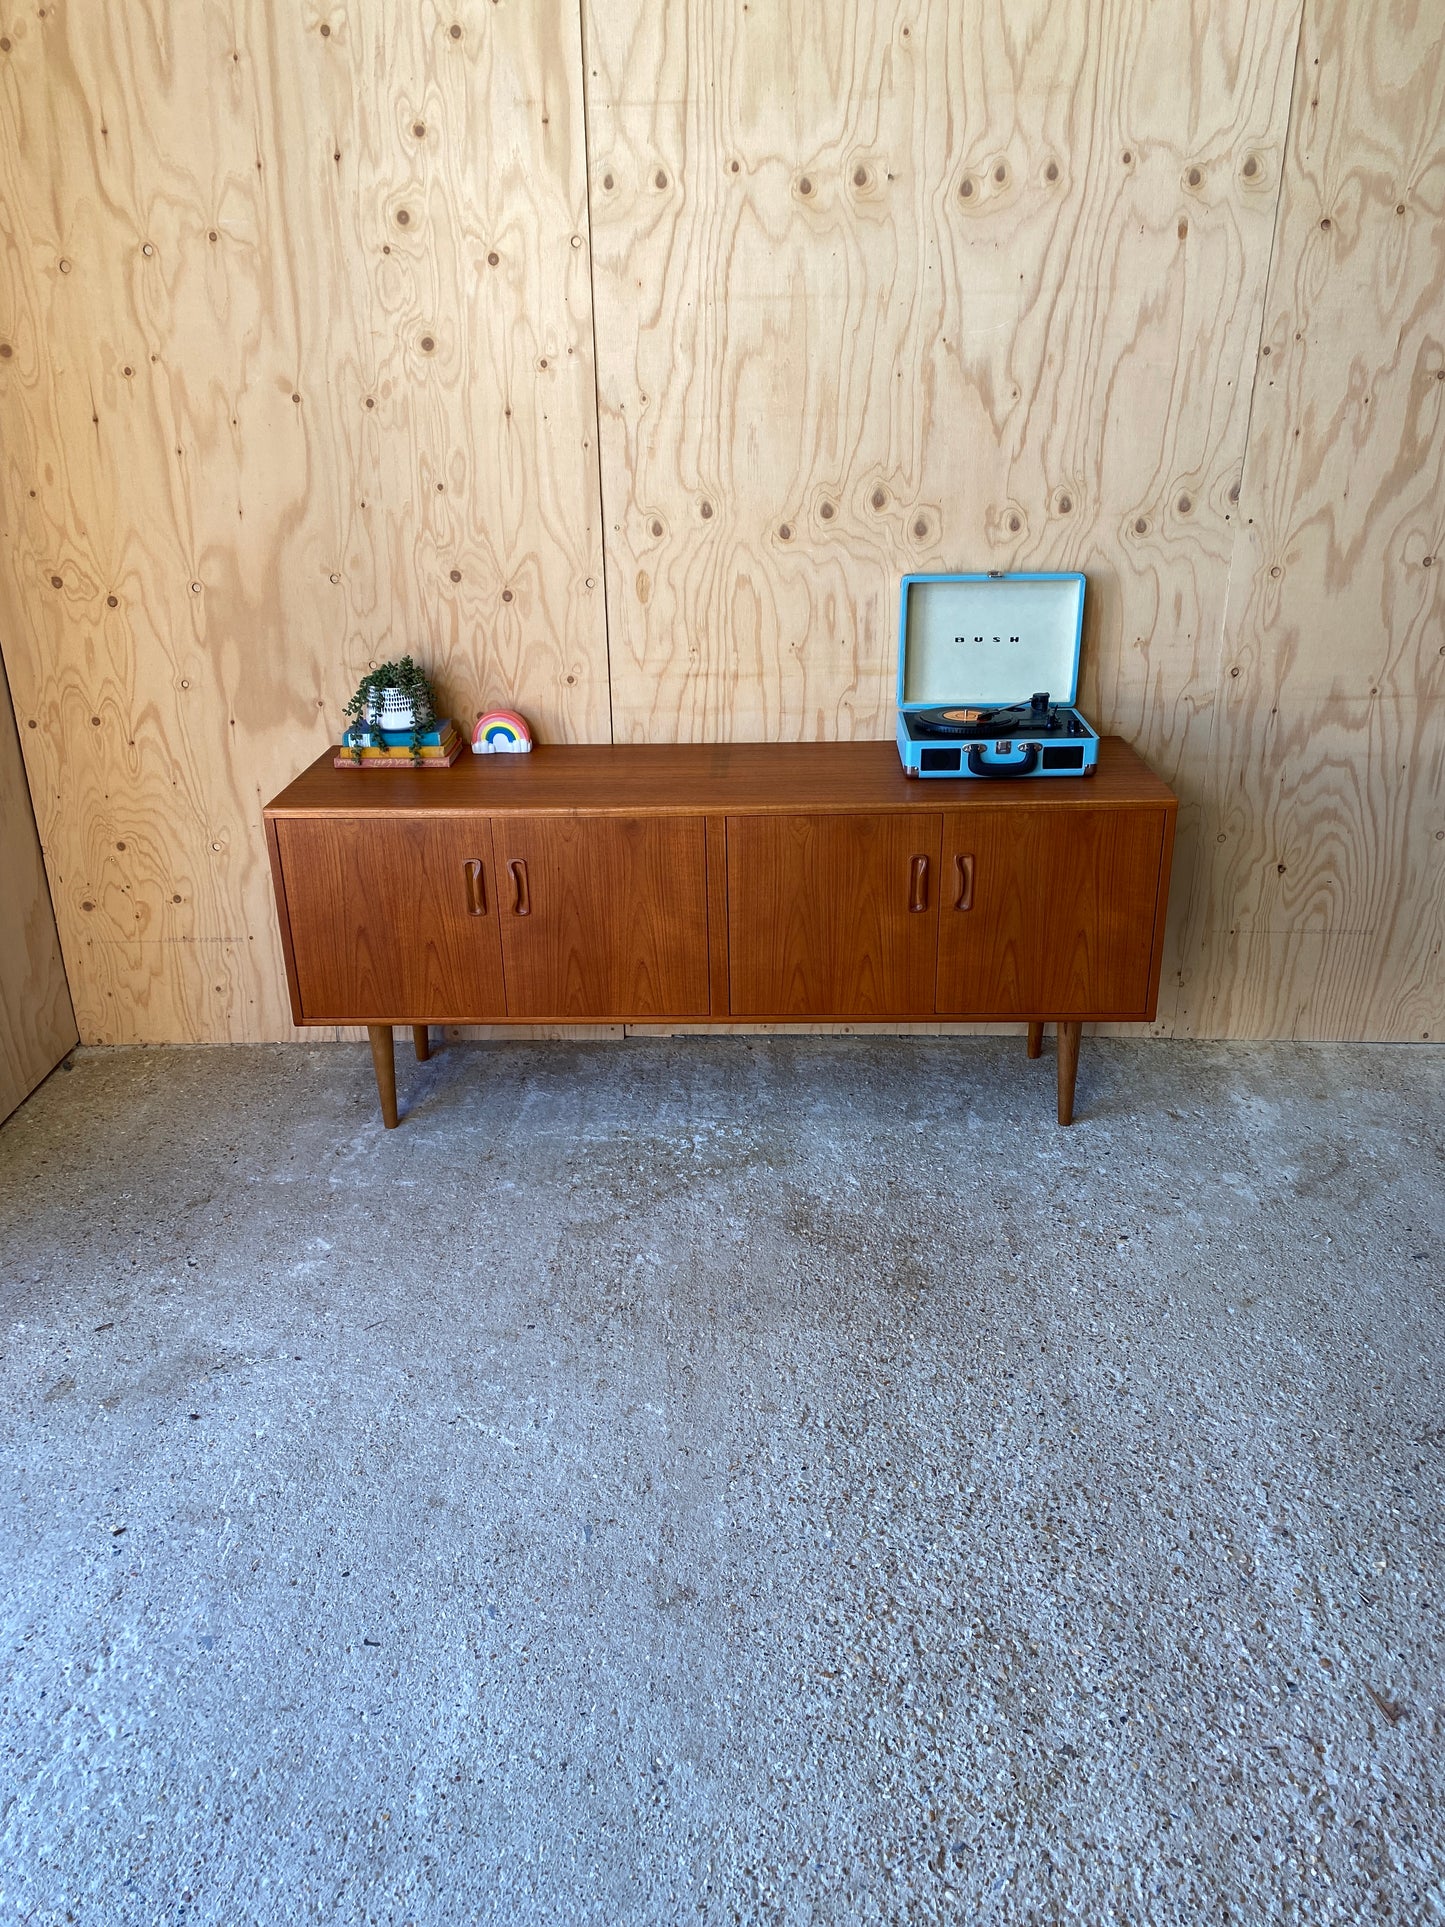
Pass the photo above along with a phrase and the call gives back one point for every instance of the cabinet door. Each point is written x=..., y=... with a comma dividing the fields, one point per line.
x=1048, y=913
x=392, y=919
x=603, y=917
x=832, y=916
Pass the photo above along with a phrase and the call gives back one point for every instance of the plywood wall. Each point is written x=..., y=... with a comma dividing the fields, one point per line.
x=1319, y=910
x=37, y=1026
x=295, y=374
x=678, y=329
x=973, y=282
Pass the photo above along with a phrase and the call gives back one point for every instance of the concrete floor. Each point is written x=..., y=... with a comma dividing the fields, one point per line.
x=723, y=1480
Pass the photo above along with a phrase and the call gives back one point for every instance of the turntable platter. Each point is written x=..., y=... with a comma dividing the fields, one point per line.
x=1038, y=717
x=949, y=721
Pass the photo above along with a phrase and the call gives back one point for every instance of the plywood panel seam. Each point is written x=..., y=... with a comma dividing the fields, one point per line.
x=596, y=378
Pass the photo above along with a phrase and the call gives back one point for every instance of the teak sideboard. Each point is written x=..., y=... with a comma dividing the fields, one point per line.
x=719, y=883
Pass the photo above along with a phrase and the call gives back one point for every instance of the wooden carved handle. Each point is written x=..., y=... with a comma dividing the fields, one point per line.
x=918, y=884
x=521, y=893
x=964, y=900
x=476, y=889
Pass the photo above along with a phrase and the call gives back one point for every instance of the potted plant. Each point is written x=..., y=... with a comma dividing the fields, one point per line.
x=395, y=697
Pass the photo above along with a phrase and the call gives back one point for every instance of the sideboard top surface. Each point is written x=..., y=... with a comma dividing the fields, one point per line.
x=703, y=779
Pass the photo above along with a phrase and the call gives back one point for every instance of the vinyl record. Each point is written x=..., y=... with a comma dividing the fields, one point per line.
x=948, y=721
x=1038, y=717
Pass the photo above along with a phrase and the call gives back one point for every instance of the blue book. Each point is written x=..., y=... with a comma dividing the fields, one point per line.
x=368, y=736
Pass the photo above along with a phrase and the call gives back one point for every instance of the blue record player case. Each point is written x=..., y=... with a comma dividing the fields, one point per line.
x=988, y=670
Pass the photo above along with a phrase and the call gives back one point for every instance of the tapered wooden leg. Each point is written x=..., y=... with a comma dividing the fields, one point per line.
x=1068, y=1068
x=384, y=1059
x=1036, y=1040
x=421, y=1038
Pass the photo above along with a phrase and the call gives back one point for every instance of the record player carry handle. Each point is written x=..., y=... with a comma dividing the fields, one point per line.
x=978, y=767
x=918, y=884
x=964, y=900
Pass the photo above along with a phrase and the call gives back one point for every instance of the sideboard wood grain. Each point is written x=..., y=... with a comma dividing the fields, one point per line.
x=833, y=916
x=392, y=919
x=1051, y=913
x=603, y=917
x=720, y=883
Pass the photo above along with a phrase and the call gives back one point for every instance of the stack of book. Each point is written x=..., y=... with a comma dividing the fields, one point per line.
x=368, y=747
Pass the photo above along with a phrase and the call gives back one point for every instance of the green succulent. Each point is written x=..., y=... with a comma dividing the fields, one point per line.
x=408, y=681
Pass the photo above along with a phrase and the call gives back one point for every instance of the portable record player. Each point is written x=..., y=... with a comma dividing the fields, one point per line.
x=988, y=669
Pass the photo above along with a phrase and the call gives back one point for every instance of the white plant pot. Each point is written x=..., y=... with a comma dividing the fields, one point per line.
x=393, y=712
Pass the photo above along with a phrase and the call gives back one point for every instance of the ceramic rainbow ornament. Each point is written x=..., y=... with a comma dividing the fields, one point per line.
x=501, y=732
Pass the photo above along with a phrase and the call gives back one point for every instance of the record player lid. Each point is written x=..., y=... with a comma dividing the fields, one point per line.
x=988, y=639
